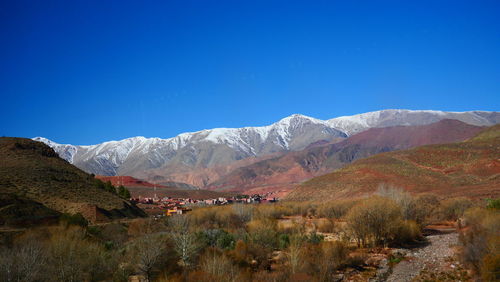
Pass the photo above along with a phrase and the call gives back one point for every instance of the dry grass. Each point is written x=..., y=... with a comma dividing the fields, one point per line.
x=32, y=170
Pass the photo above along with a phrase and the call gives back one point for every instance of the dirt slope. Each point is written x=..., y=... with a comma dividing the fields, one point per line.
x=33, y=171
x=470, y=168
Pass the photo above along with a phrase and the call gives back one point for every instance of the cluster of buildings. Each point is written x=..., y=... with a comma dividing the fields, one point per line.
x=168, y=206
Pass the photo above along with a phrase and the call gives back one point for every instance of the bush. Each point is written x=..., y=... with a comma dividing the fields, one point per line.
x=400, y=197
x=490, y=267
x=374, y=221
x=73, y=258
x=218, y=266
x=326, y=225
x=481, y=242
x=74, y=219
x=493, y=204
x=454, y=208
x=314, y=238
x=217, y=238
x=408, y=231
x=335, y=209
x=263, y=233
x=426, y=206
x=283, y=241
x=274, y=211
x=322, y=260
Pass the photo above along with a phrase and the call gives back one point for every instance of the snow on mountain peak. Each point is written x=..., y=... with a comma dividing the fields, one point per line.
x=290, y=133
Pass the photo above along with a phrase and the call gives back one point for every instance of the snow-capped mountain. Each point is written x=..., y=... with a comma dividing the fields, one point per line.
x=222, y=146
x=219, y=146
x=385, y=118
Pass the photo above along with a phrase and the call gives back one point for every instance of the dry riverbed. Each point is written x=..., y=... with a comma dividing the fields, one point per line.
x=437, y=259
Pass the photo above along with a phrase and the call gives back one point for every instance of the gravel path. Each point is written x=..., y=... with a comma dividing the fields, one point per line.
x=431, y=257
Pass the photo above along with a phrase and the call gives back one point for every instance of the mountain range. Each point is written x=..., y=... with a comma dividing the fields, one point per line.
x=202, y=158
x=288, y=169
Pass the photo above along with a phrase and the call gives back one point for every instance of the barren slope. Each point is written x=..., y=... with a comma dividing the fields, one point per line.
x=470, y=168
x=33, y=171
x=286, y=170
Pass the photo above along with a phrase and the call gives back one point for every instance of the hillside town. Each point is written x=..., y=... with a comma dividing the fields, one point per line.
x=168, y=206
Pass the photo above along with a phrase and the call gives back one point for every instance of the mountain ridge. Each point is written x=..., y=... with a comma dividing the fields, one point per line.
x=291, y=168
x=169, y=159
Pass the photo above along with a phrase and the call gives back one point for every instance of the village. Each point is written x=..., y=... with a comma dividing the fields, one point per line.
x=168, y=206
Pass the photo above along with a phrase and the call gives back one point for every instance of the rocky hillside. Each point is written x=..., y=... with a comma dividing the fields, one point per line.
x=33, y=171
x=283, y=172
x=470, y=168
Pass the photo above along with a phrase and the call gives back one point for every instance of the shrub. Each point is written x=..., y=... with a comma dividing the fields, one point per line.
x=74, y=219
x=73, y=258
x=322, y=260
x=217, y=238
x=493, y=204
x=481, y=242
x=335, y=209
x=283, y=241
x=490, y=267
x=263, y=233
x=314, y=238
x=243, y=212
x=406, y=232
x=274, y=211
x=426, y=206
x=374, y=220
x=454, y=208
x=326, y=226
x=218, y=266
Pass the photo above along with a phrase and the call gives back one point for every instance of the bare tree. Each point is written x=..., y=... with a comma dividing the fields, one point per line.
x=31, y=259
x=295, y=253
x=333, y=255
x=401, y=197
x=148, y=251
x=219, y=266
x=8, y=271
x=185, y=243
x=73, y=258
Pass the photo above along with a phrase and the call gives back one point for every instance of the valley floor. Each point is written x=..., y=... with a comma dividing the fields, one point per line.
x=437, y=258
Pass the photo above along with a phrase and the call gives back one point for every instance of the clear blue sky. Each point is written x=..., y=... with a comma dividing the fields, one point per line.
x=84, y=72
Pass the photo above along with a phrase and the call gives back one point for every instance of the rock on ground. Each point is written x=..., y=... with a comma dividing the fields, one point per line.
x=432, y=257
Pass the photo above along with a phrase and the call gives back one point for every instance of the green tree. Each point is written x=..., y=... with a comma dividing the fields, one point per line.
x=109, y=187
x=123, y=192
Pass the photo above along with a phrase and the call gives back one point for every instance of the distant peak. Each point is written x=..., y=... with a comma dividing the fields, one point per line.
x=299, y=117
x=44, y=140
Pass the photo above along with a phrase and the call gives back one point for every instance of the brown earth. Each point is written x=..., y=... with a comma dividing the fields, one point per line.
x=148, y=192
x=32, y=171
x=128, y=181
x=140, y=188
x=470, y=168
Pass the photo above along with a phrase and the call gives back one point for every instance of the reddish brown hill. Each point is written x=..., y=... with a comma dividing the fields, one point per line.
x=404, y=137
x=470, y=168
x=128, y=181
x=141, y=188
x=285, y=171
